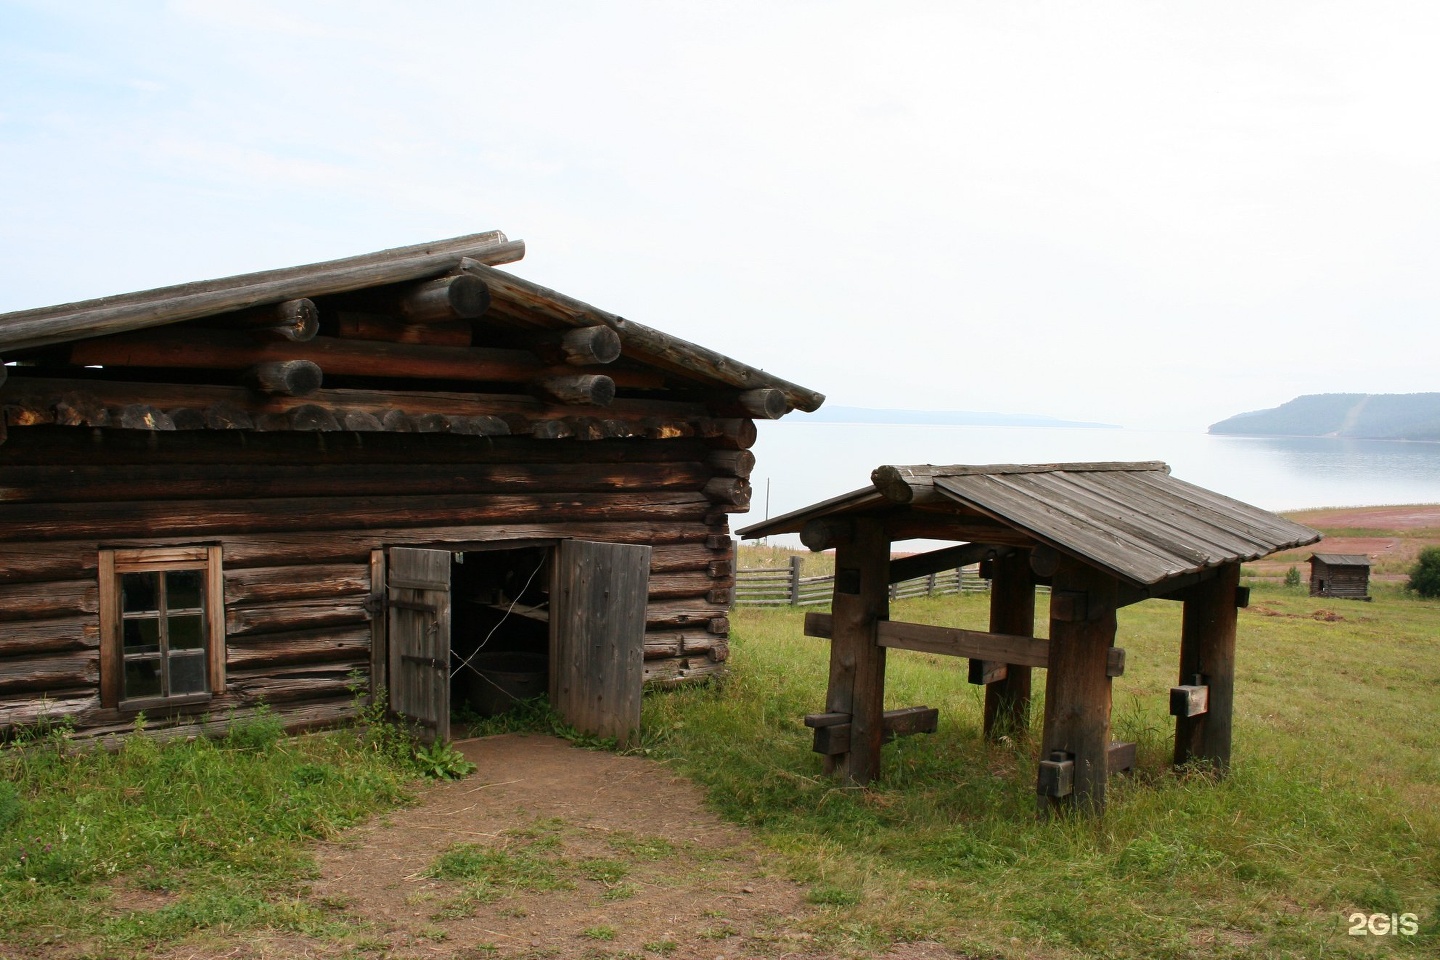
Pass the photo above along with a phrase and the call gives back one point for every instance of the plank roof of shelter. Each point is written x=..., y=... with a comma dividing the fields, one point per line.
x=474, y=254
x=1342, y=559
x=1133, y=520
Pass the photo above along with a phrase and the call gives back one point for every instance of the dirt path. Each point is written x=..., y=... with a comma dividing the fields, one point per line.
x=587, y=854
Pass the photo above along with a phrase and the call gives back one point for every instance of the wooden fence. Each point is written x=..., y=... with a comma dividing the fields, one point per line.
x=778, y=586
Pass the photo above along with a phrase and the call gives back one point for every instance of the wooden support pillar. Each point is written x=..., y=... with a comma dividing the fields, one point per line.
x=1012, y=611
x=857, y=661
x=1077, y=686
x=1207, y=649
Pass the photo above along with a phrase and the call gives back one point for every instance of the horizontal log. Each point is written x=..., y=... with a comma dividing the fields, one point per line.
x=53, y=446
x=689, y=583
x=27, y=638
x=45, y=325
x=30, y=401
x=332, y=645
x=213, y=718
x=68, y=484
x=296, y=615
x=21, y=711
x=182, y=519
x=320, y=581
x=825, y=533
x=280, y=690
x=35, y=675
x=54, y=559
x=357, y=325
x=948, y=558
x=46, y=600
x=228, y=350
x=955, y=642
x=692, y=612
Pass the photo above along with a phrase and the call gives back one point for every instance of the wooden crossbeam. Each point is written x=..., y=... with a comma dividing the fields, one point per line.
x=955, y=642
x=832, y=730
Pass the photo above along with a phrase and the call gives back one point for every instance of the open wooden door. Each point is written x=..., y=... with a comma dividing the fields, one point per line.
x=418, y=621
x=597, y=636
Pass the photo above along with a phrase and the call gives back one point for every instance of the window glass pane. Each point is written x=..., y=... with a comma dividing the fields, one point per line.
x=187, y=674
x=142, y=635
x=187, y=632
x=139, y=592
x=184, y=589
x=142, y=678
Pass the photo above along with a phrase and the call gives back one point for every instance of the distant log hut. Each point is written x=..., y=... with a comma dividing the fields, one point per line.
x=1340, y=575
x=382, y=470
x=1100, y=536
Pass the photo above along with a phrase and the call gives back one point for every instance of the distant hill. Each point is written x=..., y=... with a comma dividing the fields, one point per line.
x=960, y=418
x=1360, y=416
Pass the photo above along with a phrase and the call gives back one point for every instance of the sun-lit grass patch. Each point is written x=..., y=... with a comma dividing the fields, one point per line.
x=1330, y=806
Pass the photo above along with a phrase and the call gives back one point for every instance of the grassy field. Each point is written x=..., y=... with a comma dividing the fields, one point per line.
x=1332, y=808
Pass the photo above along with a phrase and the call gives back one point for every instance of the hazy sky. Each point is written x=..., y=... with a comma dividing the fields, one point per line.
x=1140, y=213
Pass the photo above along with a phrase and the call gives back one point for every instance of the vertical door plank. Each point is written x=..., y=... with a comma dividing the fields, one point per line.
x=597, y=636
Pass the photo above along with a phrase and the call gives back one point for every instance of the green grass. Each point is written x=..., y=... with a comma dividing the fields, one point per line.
x=214, y=833
x=1331, y=806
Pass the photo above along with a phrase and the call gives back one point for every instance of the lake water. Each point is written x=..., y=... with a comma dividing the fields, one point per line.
x=806, y=462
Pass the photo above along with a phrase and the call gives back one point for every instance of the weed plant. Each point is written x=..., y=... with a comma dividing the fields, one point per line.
x=1330, y=808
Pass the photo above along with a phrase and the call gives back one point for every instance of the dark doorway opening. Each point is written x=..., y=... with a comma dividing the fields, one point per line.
x=500, y=629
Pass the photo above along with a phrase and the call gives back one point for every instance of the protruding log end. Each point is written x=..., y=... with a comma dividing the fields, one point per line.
x=766, y=403
x=584, y=346
x=287, y=378
x=729, y=490
x=584, y=389
x=461, y=297
x=826, y=532
x=738, y=463
x=1044, y=561
x=893, y=483
x=295, y=320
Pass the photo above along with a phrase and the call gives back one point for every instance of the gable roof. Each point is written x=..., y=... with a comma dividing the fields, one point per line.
x=1341, y=559
x=1133, y=520
x=474, y=255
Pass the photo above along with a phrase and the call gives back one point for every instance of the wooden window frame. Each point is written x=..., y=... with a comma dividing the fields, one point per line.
x=116, y=562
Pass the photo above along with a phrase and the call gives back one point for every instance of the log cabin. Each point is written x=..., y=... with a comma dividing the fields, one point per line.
x=1345, y=575
x=310, y=485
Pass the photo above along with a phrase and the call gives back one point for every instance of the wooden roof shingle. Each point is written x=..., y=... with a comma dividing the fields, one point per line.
x=1133, y=520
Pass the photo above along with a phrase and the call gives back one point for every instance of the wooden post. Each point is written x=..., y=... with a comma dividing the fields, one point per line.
x=1207, y=648
x=1077, y=685
x=857, y=661
x=1012, y=611
x=795, y=562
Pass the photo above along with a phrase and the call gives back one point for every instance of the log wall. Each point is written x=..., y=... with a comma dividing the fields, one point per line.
x=298, y=516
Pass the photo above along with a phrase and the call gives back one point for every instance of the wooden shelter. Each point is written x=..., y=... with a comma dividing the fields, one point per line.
x=372, y=471
x=1340, y=575
x=1100, y=536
